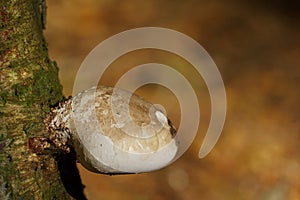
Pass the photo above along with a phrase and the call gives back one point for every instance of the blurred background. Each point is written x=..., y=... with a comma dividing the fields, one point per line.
x=256, y=46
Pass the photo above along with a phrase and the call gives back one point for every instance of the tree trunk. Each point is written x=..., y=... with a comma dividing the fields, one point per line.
x=29, y=86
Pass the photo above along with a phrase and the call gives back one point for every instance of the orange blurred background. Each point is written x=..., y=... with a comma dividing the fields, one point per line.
x=256, y=47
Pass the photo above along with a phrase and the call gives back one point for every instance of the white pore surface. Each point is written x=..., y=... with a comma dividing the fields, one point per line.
x=107, y=154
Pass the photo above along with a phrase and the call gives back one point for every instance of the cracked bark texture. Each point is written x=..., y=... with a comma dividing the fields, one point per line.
x=29, y=87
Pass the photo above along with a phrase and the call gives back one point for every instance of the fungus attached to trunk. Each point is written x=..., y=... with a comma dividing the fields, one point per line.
x=113, y=131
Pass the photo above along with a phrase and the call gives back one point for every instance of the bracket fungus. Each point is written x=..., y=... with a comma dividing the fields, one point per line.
x=113, y=131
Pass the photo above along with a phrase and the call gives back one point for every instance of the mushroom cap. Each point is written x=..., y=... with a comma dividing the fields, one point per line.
x=114, y=131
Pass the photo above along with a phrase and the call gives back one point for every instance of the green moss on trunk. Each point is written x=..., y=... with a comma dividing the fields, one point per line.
x=29, y=86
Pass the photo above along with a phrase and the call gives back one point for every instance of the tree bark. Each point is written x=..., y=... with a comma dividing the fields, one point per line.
x=29, y=87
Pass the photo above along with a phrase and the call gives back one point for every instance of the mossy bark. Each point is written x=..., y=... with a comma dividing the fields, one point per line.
x=29, y=86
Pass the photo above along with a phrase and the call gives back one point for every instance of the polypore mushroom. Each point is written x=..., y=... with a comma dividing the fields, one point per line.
x=111, y=134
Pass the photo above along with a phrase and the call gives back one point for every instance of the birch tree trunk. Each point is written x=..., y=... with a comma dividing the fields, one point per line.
x=29, y=86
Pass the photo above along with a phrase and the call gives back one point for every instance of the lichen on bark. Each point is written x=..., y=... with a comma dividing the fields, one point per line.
x=29, y=86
